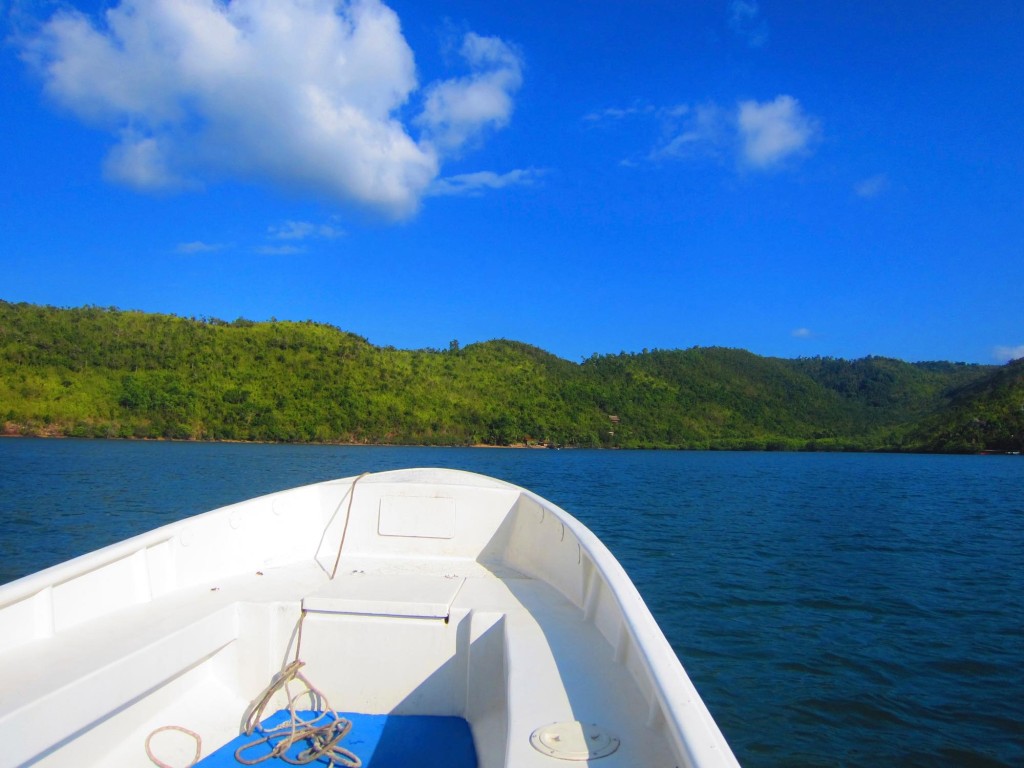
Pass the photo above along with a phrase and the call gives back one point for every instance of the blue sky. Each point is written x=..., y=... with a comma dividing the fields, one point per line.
x=793, y=178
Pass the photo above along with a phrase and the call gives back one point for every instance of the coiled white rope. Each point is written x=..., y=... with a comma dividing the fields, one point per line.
x=323, y=731
x=160, y=763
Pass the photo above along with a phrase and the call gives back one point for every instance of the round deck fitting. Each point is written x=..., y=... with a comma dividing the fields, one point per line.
x=574, y=741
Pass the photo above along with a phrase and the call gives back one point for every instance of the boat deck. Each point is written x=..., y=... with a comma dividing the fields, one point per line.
x=434, y=637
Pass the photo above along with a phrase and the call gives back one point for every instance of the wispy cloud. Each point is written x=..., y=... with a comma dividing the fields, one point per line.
x=279, y=250
x=774, y=131
x=458, y=111
x=477, y=183
x=311, y=95
x=802, y=333
x=872, y=186
x=619, y=113
x=304, y=230
x=756, y=135
x=292, y=236
x=1005, y=354
x=704, y=130
x=198, y=246
x=612, y=115
x=143, y=162
x=746, y=22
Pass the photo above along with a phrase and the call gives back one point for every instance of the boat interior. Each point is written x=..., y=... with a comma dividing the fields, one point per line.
x=406, y=594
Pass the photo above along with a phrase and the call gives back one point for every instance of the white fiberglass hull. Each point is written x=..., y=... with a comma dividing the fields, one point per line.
x=414, y=592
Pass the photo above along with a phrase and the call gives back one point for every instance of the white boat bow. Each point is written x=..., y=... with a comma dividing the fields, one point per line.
x=406, y=593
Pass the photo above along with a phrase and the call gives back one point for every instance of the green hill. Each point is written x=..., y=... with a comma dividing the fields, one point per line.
x=96, y=372
x=984, y=415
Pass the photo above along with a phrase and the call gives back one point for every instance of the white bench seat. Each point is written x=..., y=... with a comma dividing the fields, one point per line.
x=86, y=673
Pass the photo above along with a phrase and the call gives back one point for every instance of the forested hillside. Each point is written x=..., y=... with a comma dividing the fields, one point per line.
x=95, y=372
x=986, y=415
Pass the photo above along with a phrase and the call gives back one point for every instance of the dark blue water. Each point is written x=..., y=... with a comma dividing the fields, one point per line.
x=831, y=609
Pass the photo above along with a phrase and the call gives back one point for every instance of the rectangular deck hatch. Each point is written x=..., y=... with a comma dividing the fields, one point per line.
x=417, y=517
x=406, y=595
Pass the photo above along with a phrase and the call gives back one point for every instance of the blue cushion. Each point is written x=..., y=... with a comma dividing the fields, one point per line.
x=380, y=741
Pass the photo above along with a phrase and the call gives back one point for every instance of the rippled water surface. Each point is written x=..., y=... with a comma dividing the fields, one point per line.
x=831, y=609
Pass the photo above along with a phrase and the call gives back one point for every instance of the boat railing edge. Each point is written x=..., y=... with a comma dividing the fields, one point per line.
x=694, y=729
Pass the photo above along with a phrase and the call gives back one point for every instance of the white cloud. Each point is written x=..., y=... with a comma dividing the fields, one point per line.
x=457, y=111
x=745, y=20
x=699, y=131
x=1005, y=354
x=198, y=246
x=619, y=113
x=302, y=230
x=475, y=183
x=760, y=136
x=872, y=186
x=306, y=94
x=802, y=333
x=279, y=250
x=771, y=132
x=142, y=162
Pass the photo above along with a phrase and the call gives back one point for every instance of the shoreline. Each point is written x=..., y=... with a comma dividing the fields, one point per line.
x=8, y=433
x=515, y=446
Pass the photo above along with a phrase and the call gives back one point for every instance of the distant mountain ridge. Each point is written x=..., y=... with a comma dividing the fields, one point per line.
x=95, y=372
